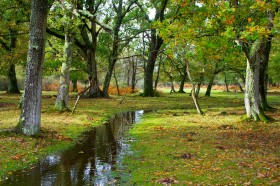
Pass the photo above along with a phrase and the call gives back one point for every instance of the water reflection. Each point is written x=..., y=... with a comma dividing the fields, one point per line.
x=91, y=162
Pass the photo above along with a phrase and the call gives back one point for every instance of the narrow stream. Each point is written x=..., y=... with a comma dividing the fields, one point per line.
x=90, y=162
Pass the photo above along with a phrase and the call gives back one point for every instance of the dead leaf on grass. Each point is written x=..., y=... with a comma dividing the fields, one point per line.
x=167, y=181
x=187, y=156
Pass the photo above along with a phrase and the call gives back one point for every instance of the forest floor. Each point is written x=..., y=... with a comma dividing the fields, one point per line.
x=172, y=144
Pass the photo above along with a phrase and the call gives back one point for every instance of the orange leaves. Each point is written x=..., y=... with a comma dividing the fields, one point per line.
x=230, y=20
x=123, y=90
x=249, y=19
x=18, y=156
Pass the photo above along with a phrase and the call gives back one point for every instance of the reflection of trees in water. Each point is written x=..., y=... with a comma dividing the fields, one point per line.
x=91, y=161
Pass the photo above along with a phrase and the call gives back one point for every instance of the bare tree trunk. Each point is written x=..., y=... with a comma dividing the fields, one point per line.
x=30, y=118
x=198, y=109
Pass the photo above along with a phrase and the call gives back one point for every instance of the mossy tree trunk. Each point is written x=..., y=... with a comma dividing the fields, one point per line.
x=255, y=56
x=61, y=103
x=158, y=73
x=94, y=91
x=30, y=118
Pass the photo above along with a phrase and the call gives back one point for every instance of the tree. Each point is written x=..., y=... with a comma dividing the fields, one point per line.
x=13, y=17
x=30, y=118
x=155, y=43
x=61, y=103
x=250, y=23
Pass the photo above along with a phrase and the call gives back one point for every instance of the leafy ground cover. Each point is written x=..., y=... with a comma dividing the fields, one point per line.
x=178, y=146
x=173, y=144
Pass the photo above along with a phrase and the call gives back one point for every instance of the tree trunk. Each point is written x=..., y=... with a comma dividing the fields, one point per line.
x=155, y=43
x=199, y=84
x=226, y=84
x=252, y=97
x=30, y=118
x=264, y=74
x=116, y=81
x=172, y=86
x=157, y=77
x=194, y=97
x=183, y=80
x=61, y=103
x=209, y=87
x=108, y=76
x=133, y=77
x=252, y=92
x=75, y=85
x=13, y=86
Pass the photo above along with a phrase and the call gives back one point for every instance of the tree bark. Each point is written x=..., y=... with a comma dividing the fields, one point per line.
x=157, y=77
x=172, y=90
x=155, y=43
x=116, y=81
x=13, y=86
x=252, y=97
x=61, y=103
x=30, y=118
x=133, y=77
x=264, y=74
x=75, y=85
x=94, y=91
x=183, y=80
x=226, y=84
x=199, y=84
x=209, y=87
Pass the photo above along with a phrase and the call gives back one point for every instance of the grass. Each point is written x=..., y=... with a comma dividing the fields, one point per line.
x=173, y=144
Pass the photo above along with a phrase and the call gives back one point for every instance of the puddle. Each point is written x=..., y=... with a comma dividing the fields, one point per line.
x=90, y=162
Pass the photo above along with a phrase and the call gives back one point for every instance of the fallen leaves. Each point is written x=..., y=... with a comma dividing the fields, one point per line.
x=167, y=181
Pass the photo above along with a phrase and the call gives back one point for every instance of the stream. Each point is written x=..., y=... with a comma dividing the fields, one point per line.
x=91, y=162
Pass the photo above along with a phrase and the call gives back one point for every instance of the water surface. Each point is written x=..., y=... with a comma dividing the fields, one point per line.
x=90, y=162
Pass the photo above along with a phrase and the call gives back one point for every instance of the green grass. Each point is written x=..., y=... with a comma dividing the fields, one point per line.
x=173, y=143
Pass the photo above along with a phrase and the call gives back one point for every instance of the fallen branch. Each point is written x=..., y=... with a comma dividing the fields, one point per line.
x=79, y=95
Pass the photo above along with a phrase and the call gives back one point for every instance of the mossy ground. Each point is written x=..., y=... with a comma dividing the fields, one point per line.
x=173, y=144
